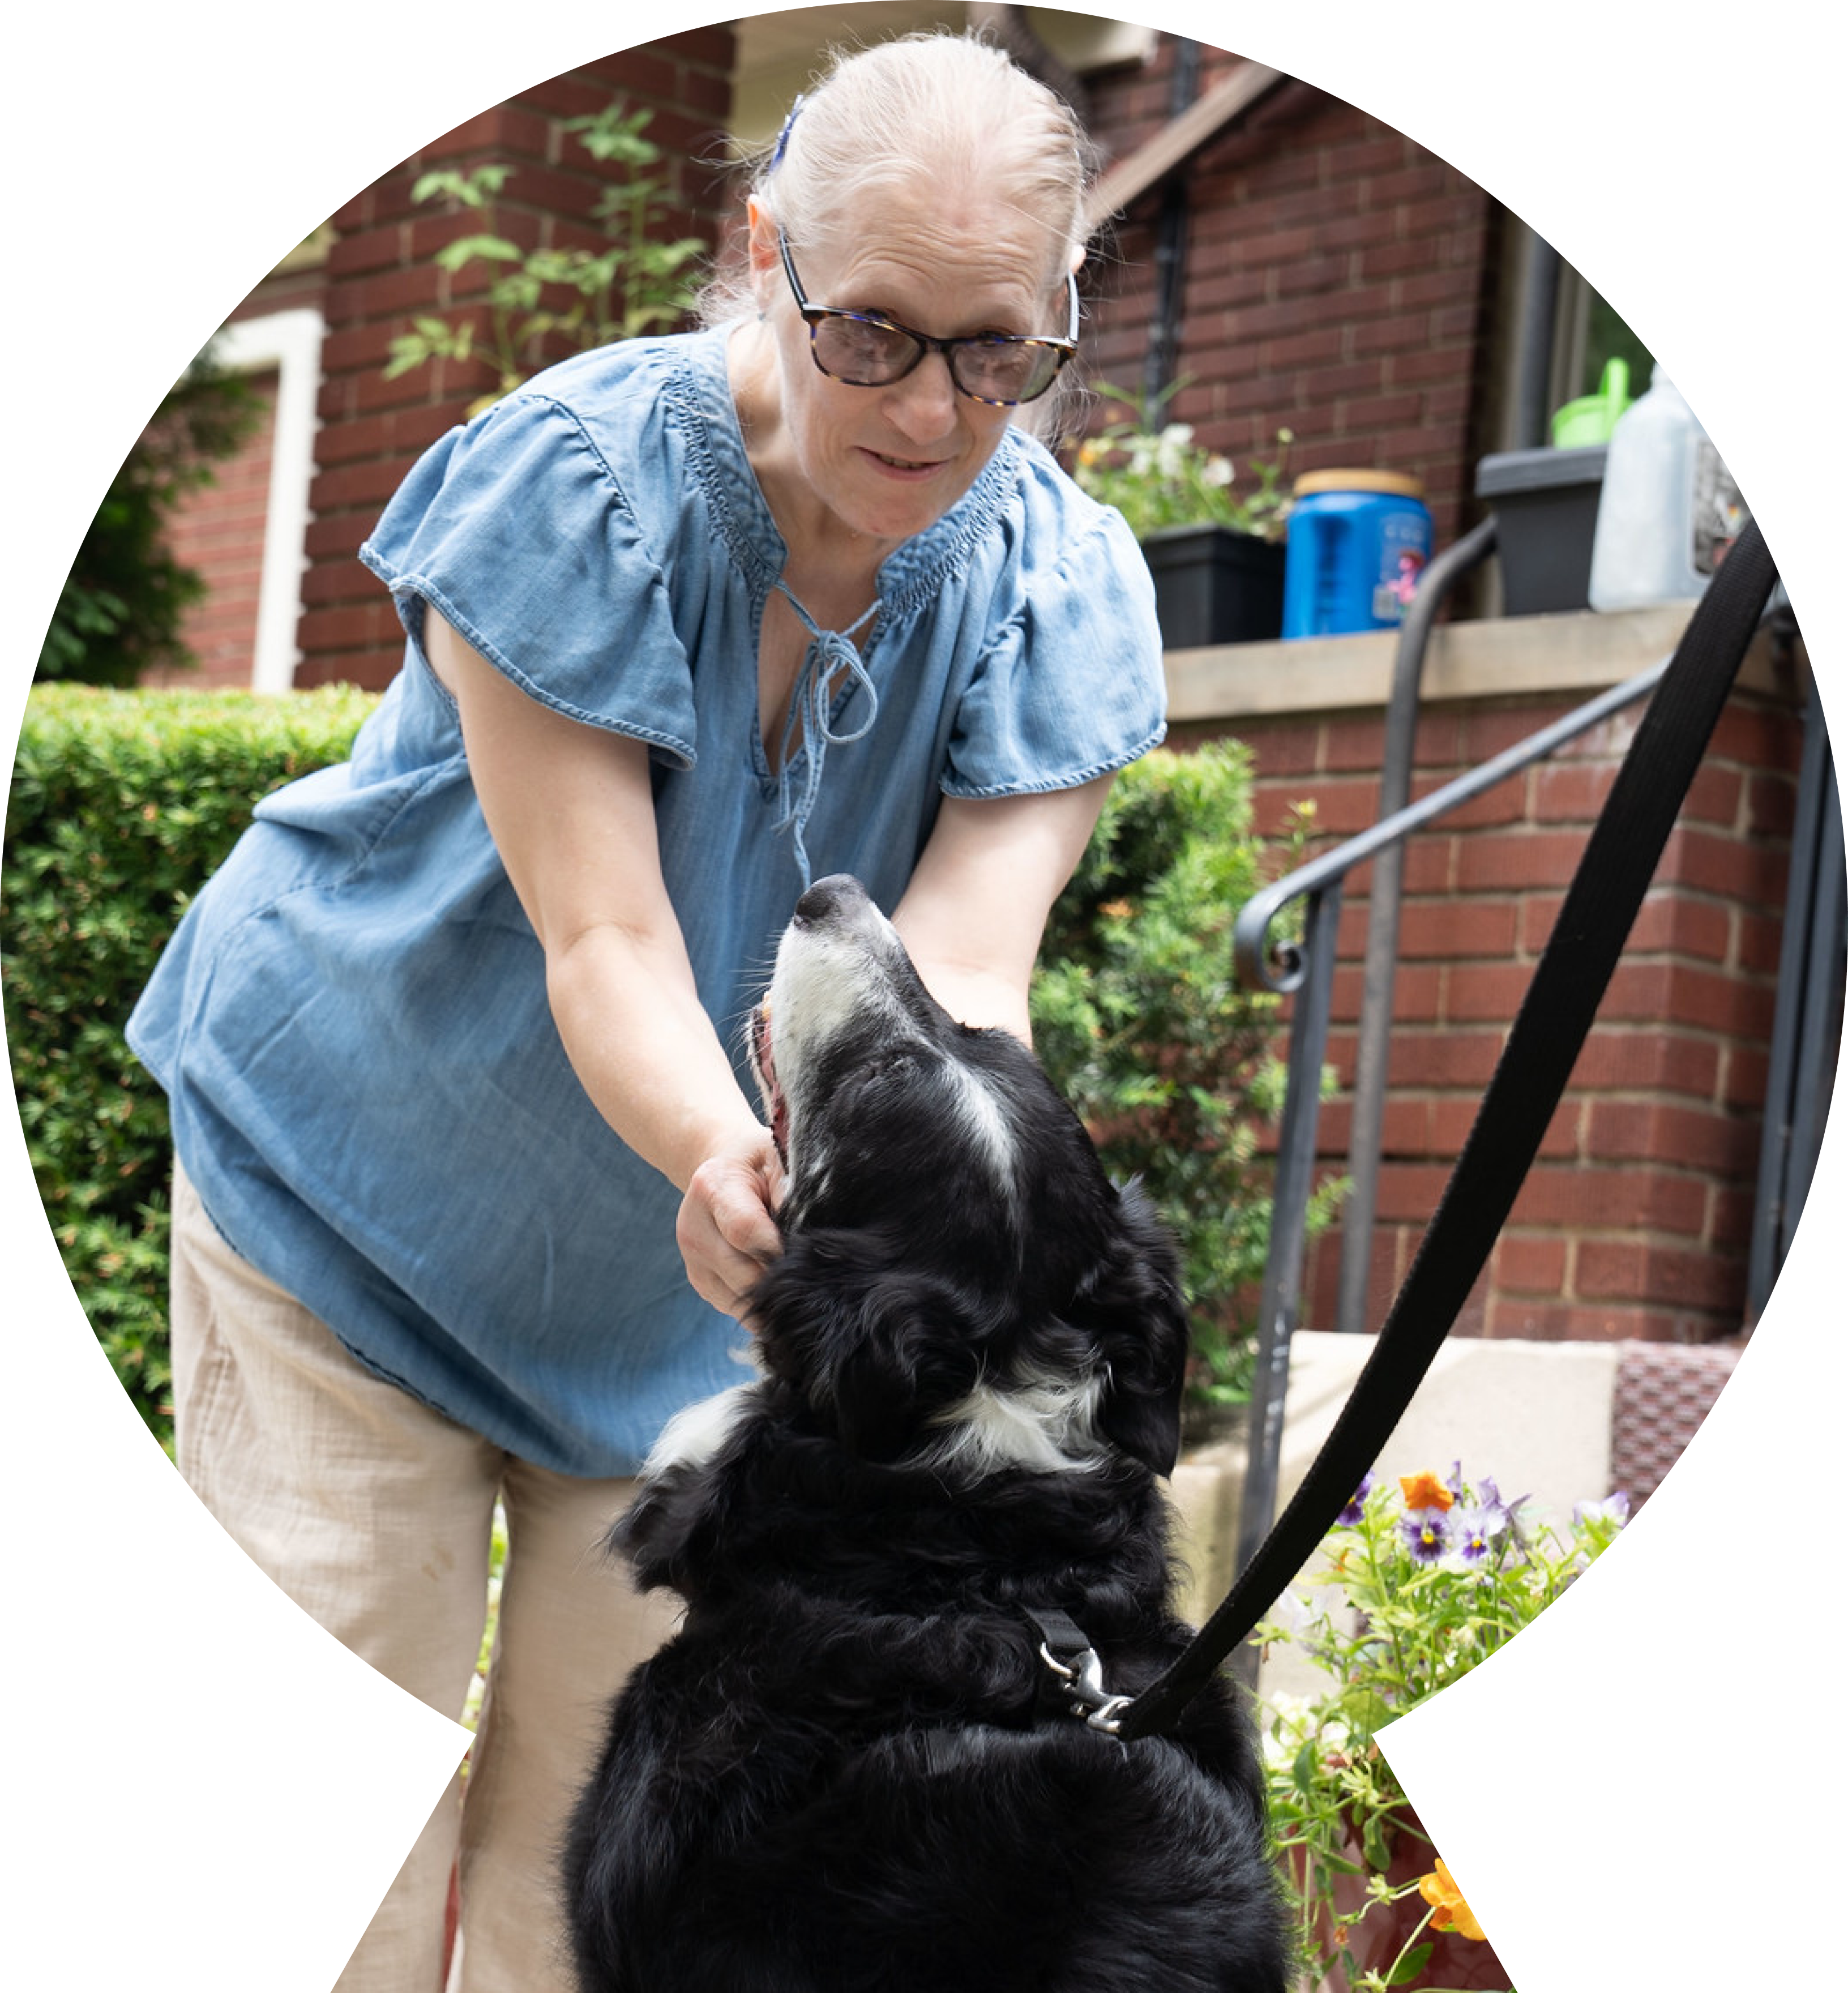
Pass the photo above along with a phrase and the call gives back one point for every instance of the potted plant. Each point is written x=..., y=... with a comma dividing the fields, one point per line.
x=1422, y=1579
x=1216, y=554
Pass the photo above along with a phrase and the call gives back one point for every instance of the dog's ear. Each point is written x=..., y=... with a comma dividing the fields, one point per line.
x=1130, y=1303
x=874, y=1350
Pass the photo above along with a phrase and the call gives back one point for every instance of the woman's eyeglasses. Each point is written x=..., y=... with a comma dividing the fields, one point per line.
x=865, y=349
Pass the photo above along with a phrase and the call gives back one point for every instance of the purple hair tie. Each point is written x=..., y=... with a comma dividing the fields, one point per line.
x=776, y=158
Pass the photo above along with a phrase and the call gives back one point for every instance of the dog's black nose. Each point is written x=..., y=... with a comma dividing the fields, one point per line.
x=834, y=898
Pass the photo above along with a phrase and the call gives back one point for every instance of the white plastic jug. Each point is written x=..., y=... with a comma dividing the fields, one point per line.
x=1669, y=509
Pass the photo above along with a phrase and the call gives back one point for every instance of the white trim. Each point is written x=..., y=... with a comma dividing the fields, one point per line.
x=290, y=341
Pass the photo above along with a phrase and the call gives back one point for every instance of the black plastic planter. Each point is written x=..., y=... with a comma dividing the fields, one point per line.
x=1213, y=586
x=1545, y=505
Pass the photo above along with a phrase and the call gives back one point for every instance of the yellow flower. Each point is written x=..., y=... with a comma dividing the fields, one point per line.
x=1448, y=1912
x=1425, y=1491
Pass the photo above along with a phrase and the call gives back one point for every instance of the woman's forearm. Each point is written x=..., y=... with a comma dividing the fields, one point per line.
x=646, y=1053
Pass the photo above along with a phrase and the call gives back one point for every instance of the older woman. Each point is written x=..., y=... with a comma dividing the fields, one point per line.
x=471, y=1191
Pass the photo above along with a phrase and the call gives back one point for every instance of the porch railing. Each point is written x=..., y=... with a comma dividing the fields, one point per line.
x=1303, y=964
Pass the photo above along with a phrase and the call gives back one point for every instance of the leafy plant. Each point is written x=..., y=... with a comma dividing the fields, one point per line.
x=1138, y=1019
x=634, y=285
x=1424, y=1581
x=1159, y=477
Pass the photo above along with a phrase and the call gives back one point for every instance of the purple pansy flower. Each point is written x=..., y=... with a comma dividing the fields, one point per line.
x=1426, y=1533
x=1351, y=1515
x=1472, y=1529
x=1612, y=1509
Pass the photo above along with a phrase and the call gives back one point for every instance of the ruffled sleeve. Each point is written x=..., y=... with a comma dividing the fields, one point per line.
x=516, y=530
x=1071, y=685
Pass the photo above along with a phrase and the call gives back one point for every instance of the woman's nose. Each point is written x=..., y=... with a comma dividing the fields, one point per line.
x=923, y=405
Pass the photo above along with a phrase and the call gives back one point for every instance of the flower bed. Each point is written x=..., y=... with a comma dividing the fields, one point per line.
x=1422, y=1581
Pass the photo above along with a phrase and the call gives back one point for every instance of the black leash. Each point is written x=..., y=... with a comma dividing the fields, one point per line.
x=1619, y=860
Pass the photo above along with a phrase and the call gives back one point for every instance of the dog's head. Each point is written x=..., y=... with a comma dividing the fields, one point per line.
x=960, y=1281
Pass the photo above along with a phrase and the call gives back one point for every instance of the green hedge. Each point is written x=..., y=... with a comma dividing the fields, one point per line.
x=123, y=803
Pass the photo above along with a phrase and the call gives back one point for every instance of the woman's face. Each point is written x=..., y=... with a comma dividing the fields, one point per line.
x=887, y=462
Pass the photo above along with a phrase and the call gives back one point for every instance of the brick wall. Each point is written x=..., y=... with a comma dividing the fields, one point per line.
x=1339, y=283
x=218, y=531
x=1635, y=1221
x=379, y=272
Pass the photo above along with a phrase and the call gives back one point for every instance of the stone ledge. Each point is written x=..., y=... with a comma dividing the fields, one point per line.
x=1575, y=654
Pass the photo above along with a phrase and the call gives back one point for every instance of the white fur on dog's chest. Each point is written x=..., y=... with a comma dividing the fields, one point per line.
x=693, y=1435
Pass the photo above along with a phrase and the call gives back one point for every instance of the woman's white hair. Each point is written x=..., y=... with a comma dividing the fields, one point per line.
x=932, y=107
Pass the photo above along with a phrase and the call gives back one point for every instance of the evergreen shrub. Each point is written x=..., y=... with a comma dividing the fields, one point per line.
x=122, y=804
x=1138, y=1018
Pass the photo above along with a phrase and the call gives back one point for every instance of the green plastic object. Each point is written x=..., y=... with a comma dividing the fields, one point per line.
x=1591, y=419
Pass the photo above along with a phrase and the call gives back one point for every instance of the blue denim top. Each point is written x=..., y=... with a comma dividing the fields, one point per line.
x=351, y=1022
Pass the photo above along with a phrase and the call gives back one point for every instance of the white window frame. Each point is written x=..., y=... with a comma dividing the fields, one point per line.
x=289, y=341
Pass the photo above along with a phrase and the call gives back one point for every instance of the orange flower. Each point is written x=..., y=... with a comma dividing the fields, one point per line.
x=1425, y=1491
x=1448, y=1912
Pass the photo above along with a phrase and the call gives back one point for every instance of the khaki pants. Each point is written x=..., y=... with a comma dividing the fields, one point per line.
x=374, y=1513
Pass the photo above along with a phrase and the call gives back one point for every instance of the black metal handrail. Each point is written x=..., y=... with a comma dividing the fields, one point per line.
x=1305, y=967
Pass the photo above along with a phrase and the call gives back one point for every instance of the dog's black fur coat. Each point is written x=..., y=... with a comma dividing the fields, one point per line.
x=847, y=1771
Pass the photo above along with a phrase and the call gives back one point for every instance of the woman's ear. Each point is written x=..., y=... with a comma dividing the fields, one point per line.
x=765, y=262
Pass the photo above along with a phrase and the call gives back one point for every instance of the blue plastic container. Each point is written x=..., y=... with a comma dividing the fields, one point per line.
x=1358, y=540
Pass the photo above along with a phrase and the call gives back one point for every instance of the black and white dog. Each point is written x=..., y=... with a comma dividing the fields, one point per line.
x=852, y=1768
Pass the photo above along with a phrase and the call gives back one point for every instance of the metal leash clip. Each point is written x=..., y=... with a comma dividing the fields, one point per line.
x=1084, y=1680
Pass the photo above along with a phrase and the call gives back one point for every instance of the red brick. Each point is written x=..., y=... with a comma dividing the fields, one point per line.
x=1761, y=737
x=1735, y=1213
x=1459, y=1057
x=1410, y=1190
x=1608, y=1270
x=1379, y=153
x=1455, y=930
x=1517, y=859
x=1393, y=330
x=1748, y=1077
x=1722, y=863
x=1380, y=412
x=1504, y=804
x=1588, y=1197
x=1670, y=922
x=1647, y=1059
x=1770, y=806
x=1531, y=1265
x=1679, y=1136
x=373, y=624
x=1473, y=991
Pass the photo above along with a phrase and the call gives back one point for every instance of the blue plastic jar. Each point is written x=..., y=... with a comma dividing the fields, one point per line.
x=1358, y=540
